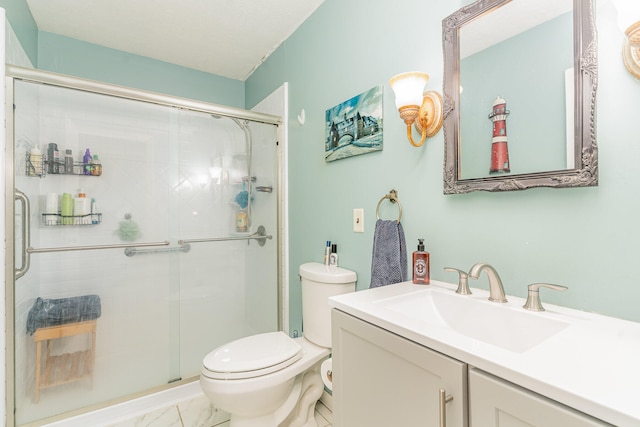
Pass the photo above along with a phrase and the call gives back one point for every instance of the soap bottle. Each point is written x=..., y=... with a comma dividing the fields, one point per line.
x=421, y=264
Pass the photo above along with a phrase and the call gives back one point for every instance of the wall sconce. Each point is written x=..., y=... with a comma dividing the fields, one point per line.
x=629, y=22
x=423, y=109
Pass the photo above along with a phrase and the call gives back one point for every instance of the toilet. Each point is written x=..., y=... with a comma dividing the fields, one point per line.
x=270, y=379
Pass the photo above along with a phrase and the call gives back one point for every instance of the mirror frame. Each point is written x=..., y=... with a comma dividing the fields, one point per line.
x=585, y=173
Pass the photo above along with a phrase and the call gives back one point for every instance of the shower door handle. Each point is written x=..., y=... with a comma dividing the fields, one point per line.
x=26, y=233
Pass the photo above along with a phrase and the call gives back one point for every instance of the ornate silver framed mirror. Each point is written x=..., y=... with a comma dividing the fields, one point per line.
x=520, y=80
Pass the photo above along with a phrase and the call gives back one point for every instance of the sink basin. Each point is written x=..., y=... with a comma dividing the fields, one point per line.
x=493, y=323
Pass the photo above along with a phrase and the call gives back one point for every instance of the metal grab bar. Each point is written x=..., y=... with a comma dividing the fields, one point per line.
x=259, y=235
x=93, y=247
x=28, y=250
x=26, y=233
x=134, y=251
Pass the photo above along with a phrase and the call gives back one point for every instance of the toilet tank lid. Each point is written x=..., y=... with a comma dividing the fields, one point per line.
x=327, y=273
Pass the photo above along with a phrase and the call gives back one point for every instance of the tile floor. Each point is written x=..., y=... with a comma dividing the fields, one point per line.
x=198, y=412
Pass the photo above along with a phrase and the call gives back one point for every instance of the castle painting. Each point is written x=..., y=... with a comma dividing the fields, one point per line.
x=354, y=127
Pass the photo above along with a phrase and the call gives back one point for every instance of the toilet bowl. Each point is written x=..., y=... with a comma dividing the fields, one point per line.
x=270, y=379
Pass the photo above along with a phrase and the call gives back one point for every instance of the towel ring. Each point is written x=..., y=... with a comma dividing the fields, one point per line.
x=393, y=198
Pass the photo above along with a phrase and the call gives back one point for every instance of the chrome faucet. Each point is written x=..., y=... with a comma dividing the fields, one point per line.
x=496, y=290
x=533, y=297
x=463, y=282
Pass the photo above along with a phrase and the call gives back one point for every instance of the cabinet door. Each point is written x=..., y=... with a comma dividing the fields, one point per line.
x=495, y=402
x=383, y=380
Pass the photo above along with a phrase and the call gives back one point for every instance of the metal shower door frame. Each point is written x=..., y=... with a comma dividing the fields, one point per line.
x=15, y=73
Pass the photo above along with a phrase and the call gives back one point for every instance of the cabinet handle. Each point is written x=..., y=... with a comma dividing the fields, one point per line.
x=444, y=399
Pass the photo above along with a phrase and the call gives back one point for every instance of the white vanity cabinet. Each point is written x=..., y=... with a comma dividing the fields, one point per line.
x=381, y=379
x=495, y=402
x=395, y=346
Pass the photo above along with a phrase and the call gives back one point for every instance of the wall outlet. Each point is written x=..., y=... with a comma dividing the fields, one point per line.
x=358, y=220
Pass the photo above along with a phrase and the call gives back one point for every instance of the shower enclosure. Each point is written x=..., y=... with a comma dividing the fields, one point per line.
x=173, y=252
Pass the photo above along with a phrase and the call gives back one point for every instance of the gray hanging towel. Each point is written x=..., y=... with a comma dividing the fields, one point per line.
x=389, y=263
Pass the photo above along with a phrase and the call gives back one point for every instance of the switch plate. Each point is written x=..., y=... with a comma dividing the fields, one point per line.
x=358, y=220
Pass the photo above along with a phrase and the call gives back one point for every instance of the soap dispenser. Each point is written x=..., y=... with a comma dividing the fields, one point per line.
x=421, y=264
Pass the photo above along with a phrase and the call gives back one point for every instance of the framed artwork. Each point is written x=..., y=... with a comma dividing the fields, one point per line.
x=354, y=126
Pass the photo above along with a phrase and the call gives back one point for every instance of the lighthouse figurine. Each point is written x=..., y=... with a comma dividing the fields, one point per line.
x=499, y=148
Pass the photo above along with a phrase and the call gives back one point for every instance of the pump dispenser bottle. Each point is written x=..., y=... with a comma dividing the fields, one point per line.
x=421, y=264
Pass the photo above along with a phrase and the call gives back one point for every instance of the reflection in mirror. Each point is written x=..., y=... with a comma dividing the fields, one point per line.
x=519, y=95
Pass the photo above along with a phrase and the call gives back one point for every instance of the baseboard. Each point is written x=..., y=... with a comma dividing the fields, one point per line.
x=327, y=400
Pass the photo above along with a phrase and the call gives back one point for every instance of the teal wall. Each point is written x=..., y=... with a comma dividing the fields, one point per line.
x=584, y=238
x=19, y=16
x=64, y=55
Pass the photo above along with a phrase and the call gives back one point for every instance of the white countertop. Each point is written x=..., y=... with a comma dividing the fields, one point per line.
x=593, y=365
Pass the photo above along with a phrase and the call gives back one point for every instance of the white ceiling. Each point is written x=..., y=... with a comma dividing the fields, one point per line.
x=230, y=38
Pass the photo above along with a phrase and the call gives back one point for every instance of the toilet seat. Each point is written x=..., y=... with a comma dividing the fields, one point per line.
x=251, y=357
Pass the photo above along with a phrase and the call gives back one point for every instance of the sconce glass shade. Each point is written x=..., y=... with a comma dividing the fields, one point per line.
x=408, y=88
x=629, y=22
x=628, y=12
x=417, y=107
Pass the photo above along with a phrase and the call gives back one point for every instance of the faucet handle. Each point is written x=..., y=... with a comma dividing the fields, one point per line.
x=463, y=281
x=533, y=297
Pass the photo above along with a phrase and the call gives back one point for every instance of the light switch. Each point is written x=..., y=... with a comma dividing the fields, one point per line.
x=358, y=220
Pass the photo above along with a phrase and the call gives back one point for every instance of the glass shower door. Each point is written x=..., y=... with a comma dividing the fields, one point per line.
x=228, y=288
x=157, y=304
x=68, y=356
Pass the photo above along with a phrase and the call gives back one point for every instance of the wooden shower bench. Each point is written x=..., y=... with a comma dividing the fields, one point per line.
x=68, y=367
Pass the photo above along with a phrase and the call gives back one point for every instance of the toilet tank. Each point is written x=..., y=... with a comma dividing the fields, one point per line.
x=319, y=282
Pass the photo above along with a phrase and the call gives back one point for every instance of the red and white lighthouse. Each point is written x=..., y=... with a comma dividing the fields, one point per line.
x=499, y=148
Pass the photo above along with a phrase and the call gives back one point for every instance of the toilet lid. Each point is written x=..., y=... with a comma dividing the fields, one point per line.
x=252, y=356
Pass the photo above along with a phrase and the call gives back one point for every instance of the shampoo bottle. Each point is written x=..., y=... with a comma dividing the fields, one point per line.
x=241, y=221
x=67, y=209
x=53, y=158
x=81, y=208
x=68, y=162
x=86, y=162
x=95, y=219
x=35, y=162
x=96, y=166
x=421, y=264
